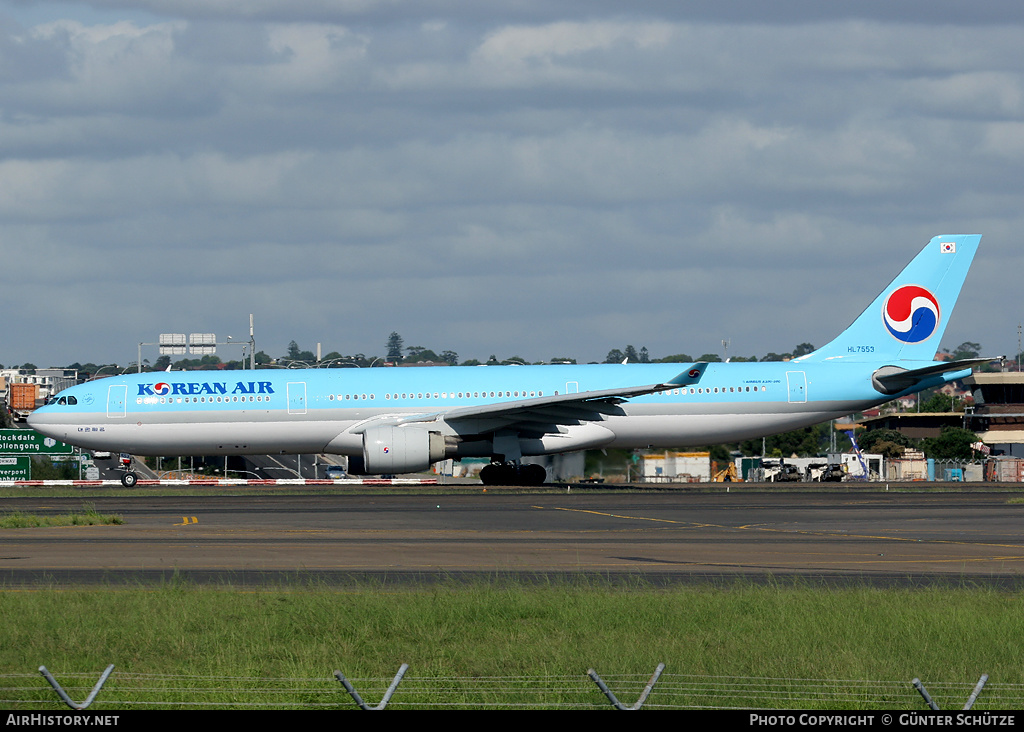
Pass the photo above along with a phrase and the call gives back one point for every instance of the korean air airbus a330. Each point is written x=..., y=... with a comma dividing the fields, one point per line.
x=395, y=420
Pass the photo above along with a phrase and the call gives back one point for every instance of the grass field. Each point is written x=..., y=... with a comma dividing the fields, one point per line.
x=88, y=516
x=505, y=644
x=181, y=644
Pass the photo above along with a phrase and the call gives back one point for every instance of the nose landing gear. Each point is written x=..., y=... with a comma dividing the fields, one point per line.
x=130, y=477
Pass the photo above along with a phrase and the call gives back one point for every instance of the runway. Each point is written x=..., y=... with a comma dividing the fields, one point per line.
x=843, y=538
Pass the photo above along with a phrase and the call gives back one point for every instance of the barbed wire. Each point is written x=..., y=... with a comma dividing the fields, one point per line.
x=129, y=689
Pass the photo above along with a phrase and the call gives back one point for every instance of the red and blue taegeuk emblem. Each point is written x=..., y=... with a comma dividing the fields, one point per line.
x=911, y=314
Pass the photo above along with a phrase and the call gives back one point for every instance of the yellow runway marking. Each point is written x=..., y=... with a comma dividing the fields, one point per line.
x=185, y=520
x=633, y=518
x=818, y=532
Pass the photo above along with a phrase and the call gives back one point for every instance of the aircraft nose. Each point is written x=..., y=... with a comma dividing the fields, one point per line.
x=39, y=419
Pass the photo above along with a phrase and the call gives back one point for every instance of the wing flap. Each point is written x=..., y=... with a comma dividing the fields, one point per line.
x=587, y=406
x=558, y=409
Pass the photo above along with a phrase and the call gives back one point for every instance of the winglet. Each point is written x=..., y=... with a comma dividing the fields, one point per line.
x=691, y=376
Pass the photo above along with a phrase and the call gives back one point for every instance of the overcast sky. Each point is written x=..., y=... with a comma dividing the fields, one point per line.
x=525, y=177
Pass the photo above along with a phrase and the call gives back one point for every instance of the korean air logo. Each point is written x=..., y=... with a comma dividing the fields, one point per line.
x=911, y=313
x=694, y=373
x=162, y=388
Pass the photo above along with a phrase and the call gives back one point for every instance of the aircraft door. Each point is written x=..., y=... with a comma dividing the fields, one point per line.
x=117, y=399
x=797, y=381
x=296, y=397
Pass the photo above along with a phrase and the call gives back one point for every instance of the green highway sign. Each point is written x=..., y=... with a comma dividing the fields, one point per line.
x=15, y=468
x=30, y=442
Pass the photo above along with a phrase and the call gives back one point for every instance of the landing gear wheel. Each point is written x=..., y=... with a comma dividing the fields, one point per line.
x=510, y=474
x=498, y=474
x=128, y=480
x=532, y=474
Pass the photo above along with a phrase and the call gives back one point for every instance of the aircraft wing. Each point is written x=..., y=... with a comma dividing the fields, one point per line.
x=894, y=379
x=543, y=414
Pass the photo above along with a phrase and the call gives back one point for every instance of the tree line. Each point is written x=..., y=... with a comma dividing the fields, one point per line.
x=396, y=352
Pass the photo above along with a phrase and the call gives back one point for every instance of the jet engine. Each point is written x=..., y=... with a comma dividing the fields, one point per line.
x=392, y=450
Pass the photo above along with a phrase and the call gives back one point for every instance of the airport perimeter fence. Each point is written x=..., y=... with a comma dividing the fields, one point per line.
x=129, y=690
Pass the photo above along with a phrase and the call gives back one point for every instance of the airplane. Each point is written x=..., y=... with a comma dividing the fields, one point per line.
x=402, y=420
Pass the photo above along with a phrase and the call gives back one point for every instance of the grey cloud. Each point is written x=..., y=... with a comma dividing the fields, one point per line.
x=535, y=178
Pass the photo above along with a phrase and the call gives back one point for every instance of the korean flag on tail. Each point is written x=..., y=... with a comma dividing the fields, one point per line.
x=947, y=247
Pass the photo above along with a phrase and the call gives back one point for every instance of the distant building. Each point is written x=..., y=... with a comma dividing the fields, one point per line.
x=44, y=382
x=681, y=467
x=50, y=381
x=915, y=425
x=998, y=413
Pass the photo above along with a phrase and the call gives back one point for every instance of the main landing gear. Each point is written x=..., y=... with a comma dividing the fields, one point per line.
x=512, y=474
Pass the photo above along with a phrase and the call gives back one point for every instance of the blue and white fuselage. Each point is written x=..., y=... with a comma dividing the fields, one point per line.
x=318, y=410
x=402, y=419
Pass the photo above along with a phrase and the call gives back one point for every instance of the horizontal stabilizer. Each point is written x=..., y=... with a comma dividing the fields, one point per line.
x=894, y=379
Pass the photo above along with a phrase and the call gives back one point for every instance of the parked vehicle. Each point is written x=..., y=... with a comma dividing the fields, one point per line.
x=780, y=472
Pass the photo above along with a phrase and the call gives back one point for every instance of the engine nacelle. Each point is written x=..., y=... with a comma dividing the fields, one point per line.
x=393, y=450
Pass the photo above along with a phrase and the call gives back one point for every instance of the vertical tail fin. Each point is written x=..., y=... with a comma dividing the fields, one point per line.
x=907, y=320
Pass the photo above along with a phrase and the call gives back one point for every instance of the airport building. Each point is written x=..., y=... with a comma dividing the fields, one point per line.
x=997, y=416
x=676, y=467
